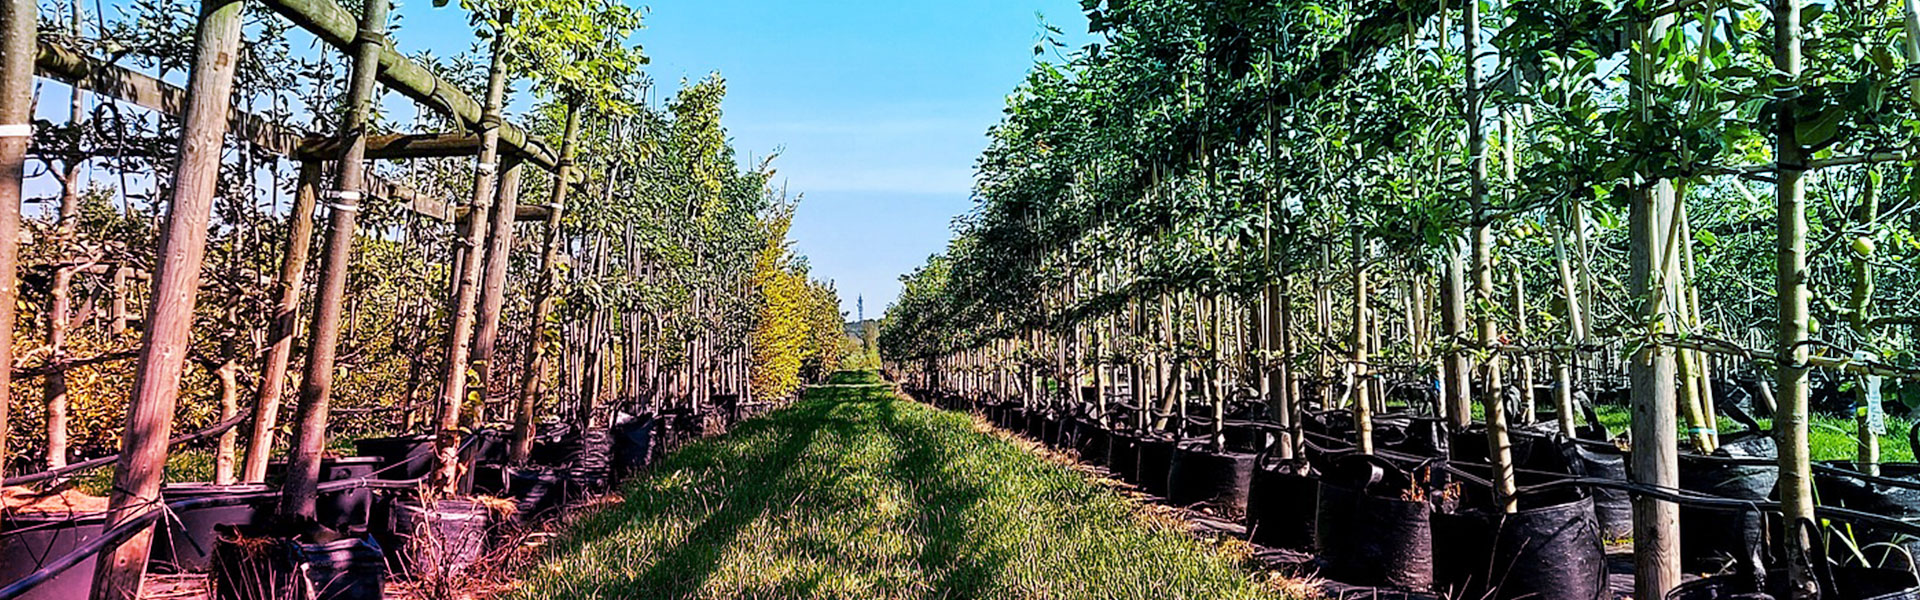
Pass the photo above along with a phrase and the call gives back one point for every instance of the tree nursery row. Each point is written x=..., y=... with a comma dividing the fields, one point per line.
x=270, y=324
x=1461, y=298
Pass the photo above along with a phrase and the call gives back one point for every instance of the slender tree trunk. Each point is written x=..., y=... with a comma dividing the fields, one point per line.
x=299, y=493
x=1453, y=303
x=1497, y=442
x=60, y=298
x=453, y=386
x=283, y=328
x=176, y=282
x=533, y=375
x=1790, y=421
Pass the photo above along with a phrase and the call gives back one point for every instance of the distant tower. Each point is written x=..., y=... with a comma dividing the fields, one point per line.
x=860, y=304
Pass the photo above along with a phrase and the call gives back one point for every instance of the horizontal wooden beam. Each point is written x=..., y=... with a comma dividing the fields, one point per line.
x=521, y=212
x=393, y=146
x=334, y=25
x=64, y=64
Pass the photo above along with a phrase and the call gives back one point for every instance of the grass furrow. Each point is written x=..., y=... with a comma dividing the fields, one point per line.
x=856, y=493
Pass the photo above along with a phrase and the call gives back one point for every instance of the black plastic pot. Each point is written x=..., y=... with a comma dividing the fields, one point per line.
x=1123, y=455
x=1366, y=537
x=345, y=510
x=186, y=543
x=30, y=540
x=443, y=540
x=1713, y=538
x=1037, y=425
x=251, y=568
x=1156, y=458
x=402, y=457
x=1552, y=552
x=1848, y=489
x=1199, y=477
x=633, y=443
x=1282, y=502
x=536, y=492
x=1092, y=443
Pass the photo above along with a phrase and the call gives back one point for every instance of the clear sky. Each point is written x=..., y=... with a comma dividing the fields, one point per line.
x=878, y=108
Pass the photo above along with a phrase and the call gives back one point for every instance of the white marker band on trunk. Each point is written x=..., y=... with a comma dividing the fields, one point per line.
x=342, y=195
x=16, y=130
x=485, y=167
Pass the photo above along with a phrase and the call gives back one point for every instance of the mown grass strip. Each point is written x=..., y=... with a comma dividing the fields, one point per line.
x=856, y=493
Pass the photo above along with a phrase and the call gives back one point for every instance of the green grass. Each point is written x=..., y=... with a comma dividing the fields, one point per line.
x=855, y=493
x=1831, y=437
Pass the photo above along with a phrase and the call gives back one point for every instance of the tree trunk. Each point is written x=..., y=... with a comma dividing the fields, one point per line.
x=533, y=375
x=453, y=386
x=282, y=330
x=176, y=282
x=1790, y=421
x=300, y=491
x=493, y=287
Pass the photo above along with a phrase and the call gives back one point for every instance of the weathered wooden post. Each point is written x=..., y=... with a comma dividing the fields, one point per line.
x=18, y=20
x=176, y=283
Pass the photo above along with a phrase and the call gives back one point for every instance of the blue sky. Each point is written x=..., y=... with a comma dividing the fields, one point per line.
x=878, y=107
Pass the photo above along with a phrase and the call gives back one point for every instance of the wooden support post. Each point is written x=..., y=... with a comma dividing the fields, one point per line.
x=1652, y=368
x=176, y=283
x=533, y=375
x=283, y=328
x=300, y=491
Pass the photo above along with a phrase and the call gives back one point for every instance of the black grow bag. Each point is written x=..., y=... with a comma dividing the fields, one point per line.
x=1199, y=477
x=1851, y=544
x=1553, y=552
x=633, y=442
x=266, y=568
x=185, y=541
x=1367, y=534
x=1842, y=584
x=30, y=540
x=1282, y=500
x=1156, y=458
x=1123, y=455
x=1712, y=539
x=1091, y=443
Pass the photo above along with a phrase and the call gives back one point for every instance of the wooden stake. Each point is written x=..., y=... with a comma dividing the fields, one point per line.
x=176, y=283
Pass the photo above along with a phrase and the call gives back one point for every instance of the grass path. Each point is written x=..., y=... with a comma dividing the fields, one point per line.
x=856, y=493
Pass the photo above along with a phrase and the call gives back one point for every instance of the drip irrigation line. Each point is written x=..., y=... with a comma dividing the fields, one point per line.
x=216, y=429
x=126, y=529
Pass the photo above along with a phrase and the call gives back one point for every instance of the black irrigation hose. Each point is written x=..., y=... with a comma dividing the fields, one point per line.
x=216, y=429
x=119, y=533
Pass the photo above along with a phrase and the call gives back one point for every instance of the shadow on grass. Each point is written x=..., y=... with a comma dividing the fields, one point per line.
x=949, y=508
x=745, y=494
